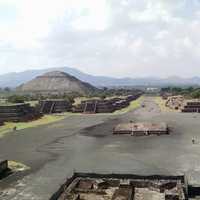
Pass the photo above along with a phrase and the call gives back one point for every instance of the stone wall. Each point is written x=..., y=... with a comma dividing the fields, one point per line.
x=18, y=113
x=104, y=106
x=54, y=106
x=191, y=106
x=3, y=166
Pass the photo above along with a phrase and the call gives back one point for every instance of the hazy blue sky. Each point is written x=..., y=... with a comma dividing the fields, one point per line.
x=104, y=37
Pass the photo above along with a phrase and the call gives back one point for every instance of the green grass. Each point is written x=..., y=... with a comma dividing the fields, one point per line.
x=47, y=119
x=9, y=104
x=5, y=103
x=32, y=103
x=79, y=99
x=133, y=105
x=17, y=166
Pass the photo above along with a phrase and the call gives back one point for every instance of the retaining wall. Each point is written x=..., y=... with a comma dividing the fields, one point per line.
x=54, y=106
x=18, y=113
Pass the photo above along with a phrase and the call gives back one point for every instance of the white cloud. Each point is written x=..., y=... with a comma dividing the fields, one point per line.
x=121, y=38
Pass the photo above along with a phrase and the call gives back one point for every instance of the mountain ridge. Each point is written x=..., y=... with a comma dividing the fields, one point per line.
x=15, y=79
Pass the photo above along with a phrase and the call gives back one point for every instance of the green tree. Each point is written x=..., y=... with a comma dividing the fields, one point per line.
x=17, y=99
x=196, y=94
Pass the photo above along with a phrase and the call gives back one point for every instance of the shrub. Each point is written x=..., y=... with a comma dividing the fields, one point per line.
x=17, y=99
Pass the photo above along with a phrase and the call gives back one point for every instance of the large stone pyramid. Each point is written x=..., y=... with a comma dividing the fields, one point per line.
x=57, y=81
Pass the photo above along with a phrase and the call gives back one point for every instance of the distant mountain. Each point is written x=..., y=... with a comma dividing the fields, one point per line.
x=16, y=79
x=56, y=81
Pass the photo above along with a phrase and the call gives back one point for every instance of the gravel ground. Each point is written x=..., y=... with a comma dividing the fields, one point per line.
x=86, y=143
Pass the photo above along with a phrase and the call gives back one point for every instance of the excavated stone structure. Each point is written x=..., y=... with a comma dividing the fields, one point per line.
x=141, y=129
x=82, y=186
x=104, y=106
x=54, y=106
x=18, y=113
x=175, y=102
x=191, y=106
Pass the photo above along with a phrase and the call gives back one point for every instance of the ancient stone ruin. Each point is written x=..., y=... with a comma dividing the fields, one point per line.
x=191, y=106
x=57, y=82
x=104, y=106
x=54, y=106
x=18, y=113
x=122, y=187
x=141, y=129
x=95, y=106
x=179, y=103
x=175, y=102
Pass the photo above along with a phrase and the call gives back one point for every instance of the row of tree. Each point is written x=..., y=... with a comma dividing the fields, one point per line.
x=6, y=89
x=16, y=98
x=191, y=92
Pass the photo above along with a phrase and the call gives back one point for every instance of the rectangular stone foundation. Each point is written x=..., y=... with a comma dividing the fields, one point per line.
x=85, y=186
x=141, y=129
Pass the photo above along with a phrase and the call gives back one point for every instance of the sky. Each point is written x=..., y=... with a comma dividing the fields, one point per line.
x=119, y=38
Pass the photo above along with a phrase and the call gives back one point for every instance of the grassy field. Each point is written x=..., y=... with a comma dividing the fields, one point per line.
x=133, y=105
x=47, y=119
x=16, y=166
x=32, y=103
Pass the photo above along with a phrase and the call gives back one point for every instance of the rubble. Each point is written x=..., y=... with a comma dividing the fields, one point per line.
x=175, y=102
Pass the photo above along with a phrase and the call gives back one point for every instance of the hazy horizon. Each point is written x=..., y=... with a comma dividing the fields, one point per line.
x=104, y=75
x=142, y=38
